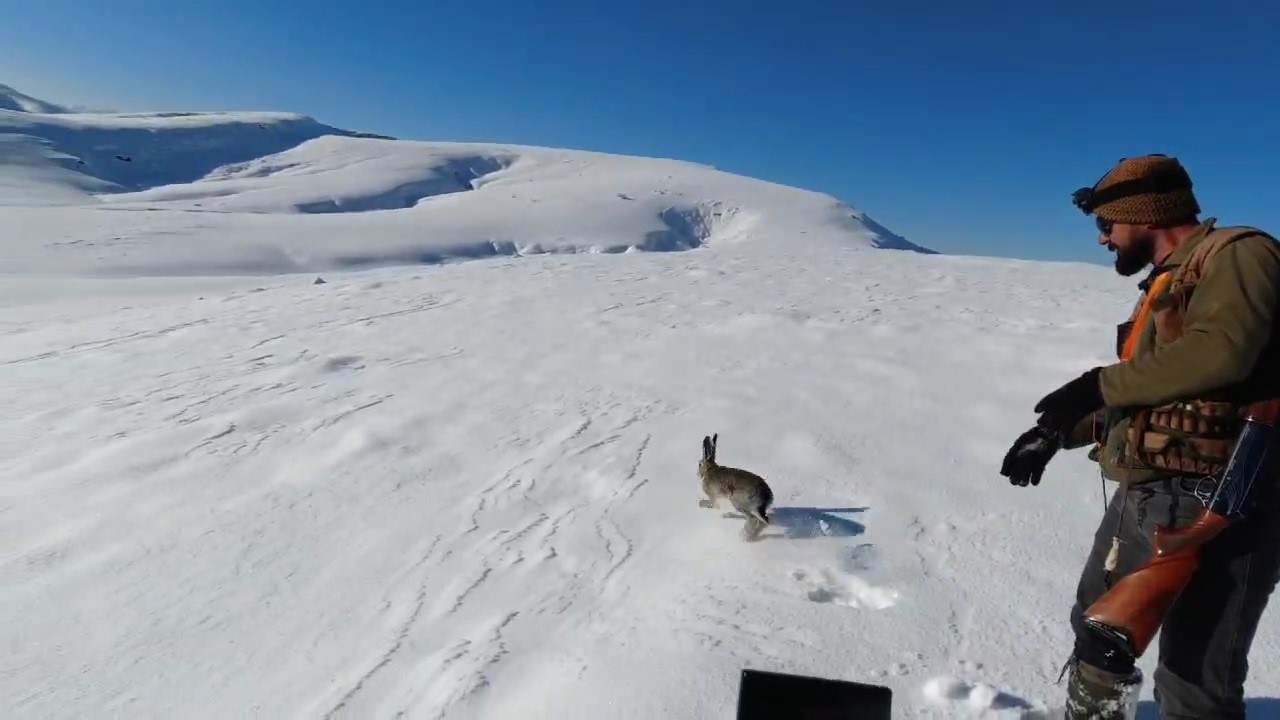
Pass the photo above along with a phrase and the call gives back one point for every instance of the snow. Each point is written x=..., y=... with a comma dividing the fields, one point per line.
x=67, y=158
x=11, y=99
x=175, y=193
x=464, y=489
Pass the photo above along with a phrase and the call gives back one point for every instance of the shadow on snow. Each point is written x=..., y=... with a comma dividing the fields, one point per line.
x=806, y=523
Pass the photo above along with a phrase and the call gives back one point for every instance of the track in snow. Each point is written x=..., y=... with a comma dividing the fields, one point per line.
x=470, y=491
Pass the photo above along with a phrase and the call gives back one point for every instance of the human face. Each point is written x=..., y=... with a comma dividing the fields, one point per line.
x=1134, y=245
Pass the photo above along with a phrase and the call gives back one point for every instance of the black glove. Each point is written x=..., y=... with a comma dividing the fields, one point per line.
x=1031, y=452
x=1060, y=412
x=1065, y=407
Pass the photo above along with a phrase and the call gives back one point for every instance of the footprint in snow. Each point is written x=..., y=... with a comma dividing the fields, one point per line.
x=976, y=699
x=827, y=586
x=343, y=362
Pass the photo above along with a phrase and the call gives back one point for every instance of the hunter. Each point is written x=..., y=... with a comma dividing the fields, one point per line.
x=1162, y=421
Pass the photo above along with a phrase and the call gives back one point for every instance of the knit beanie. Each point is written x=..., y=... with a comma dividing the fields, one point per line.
x=1147, y=190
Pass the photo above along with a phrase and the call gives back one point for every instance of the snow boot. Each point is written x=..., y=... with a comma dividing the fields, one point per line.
x=1094, y=694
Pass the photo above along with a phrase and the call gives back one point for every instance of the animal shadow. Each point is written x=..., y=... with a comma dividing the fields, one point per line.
x=807, y=523
x=1259, y=708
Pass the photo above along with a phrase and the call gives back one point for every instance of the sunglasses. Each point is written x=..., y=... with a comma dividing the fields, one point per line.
x=1104, y=226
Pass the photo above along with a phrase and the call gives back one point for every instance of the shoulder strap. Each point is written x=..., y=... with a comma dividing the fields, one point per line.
x=1189, y=273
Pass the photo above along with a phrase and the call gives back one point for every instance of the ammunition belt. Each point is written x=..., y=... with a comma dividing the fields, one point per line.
x=1194, y=437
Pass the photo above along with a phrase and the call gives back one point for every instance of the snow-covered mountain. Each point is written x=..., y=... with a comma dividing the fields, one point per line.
x=11, y=99
x=49, y=155
x=241, y=192
x=468, y=489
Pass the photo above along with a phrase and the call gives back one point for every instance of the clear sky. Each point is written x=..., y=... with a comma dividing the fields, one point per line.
x=963, y=126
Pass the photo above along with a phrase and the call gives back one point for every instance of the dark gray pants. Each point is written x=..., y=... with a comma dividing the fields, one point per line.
x=1205, y=639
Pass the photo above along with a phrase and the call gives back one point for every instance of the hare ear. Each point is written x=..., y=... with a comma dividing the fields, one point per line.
x=714, y=439
x=706, y=447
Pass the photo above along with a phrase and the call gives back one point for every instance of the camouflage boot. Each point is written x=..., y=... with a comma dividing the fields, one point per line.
x=1094, y=694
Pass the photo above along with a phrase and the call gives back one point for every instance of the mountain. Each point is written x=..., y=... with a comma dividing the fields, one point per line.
x=76, y=158
x=11, y=99
x=269, y=192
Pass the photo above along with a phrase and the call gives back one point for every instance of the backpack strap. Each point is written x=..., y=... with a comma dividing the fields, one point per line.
x=1186, y=276
x=1189, y=274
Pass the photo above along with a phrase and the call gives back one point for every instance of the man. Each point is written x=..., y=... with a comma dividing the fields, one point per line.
x=1201, y=343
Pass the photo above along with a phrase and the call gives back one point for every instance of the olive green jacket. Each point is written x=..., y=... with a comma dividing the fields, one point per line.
x=1228, y=348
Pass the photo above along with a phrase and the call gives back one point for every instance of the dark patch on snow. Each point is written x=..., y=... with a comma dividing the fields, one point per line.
x=435, y=256
x=806, y=523
x=343, y=362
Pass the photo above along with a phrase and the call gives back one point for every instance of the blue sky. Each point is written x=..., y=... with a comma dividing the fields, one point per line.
x=964, y=127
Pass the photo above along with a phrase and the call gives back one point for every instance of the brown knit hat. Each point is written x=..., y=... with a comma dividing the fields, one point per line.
x=1147, y=190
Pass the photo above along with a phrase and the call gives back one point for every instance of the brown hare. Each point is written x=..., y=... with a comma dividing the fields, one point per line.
x=747, y=492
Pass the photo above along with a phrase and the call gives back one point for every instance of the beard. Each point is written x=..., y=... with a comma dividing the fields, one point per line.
x=1139, y=254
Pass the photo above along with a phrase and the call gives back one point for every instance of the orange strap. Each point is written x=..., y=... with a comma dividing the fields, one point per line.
x=1131, y=342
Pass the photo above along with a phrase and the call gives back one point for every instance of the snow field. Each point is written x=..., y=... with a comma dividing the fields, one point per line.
x=457, y=479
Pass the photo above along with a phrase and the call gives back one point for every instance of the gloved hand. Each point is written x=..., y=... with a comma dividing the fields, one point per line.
x=1060, y=412
x=1030, y=454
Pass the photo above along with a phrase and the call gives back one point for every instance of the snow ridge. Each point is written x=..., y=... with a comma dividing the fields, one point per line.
x=216, y=193
x=11, y=99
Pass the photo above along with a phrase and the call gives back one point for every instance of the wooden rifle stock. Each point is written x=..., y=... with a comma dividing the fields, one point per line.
x=1130, y=613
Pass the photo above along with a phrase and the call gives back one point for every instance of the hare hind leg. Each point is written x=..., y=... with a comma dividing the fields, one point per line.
x=752, y=528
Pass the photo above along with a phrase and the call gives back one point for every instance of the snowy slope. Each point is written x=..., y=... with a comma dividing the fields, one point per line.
x=468, y=490
x=11, y=99
x=51, y=156
x=269, y=193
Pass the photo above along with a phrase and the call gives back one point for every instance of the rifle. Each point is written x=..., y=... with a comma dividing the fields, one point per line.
x=1130, y=613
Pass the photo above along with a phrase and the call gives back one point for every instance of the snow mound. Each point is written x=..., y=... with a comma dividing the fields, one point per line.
x=217, y=193
x=331, y=174
x=960, y=698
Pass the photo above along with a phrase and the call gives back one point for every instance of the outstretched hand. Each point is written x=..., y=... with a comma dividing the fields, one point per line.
x=1026, y=460
x=1060, y=411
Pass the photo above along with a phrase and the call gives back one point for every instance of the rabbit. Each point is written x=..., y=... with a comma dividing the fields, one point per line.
x=747, y=492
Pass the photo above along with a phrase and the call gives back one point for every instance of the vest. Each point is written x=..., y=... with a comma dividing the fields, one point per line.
x=1192, y=437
